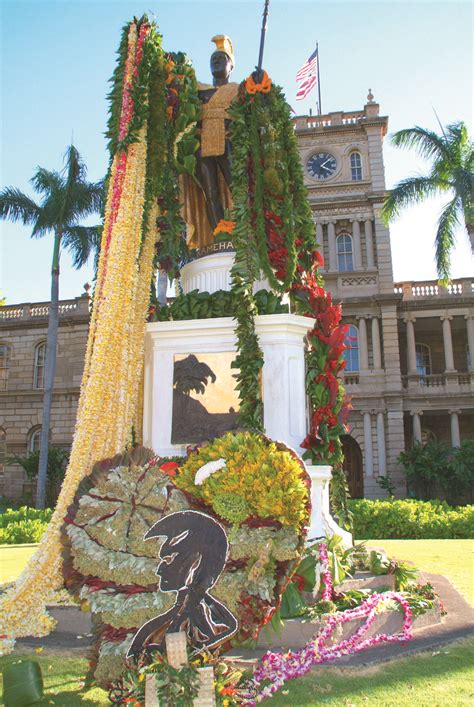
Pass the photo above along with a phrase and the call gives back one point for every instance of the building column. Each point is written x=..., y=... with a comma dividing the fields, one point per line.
x=363, y=348
x=320, y=238
x=357, y=246
x=448, y=344
x=455, y=432
x=368, y=452
x=470, y=340
x=381, y=444
x=411, y=346
x=369, y=244
x=377, y=350
x=332, y=246
x=416, y=414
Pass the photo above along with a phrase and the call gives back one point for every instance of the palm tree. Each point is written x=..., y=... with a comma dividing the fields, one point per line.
x=66, y=198
x=452, y=155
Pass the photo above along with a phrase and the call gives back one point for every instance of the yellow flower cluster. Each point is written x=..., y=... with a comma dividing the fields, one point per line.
x=269, y=479
x=111, y=380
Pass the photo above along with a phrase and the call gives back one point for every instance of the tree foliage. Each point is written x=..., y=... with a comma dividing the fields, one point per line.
x=451, y=174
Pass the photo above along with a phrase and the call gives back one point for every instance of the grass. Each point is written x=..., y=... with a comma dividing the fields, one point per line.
x=452, y=558
x=444, y=677
x=13, y=558
x=63, y=680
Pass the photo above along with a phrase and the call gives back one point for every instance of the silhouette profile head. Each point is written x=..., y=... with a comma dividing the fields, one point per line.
x=194, y=552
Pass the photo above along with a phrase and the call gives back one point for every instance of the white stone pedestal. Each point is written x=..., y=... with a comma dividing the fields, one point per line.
x=322, y=522
x=281, y=338
x=212, y=273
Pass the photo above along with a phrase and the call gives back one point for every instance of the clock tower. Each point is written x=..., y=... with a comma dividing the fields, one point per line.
x=341, y=153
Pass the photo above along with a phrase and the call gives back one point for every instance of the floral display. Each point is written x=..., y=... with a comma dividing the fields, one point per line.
x=114, y=358
x=111, y=570
x=260, y=479
x=275, y=669
x=152, y=137
x=275, y=233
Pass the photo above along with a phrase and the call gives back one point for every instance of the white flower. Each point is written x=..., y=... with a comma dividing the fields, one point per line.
x=207, y=470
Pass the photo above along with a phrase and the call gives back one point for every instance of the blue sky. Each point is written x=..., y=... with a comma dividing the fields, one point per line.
x=57, y=58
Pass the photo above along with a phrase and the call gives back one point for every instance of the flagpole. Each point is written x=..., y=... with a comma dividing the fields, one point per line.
x=262, y=36
x=319, y=82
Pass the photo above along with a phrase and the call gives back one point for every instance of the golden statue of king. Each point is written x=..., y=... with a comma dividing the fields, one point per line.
x=205, y=197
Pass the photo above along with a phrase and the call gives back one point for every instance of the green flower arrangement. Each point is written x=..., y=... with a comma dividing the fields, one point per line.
x=269, y=480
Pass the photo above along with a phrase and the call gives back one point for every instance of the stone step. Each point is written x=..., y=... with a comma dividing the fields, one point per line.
x=367, y=580
x=297, y=632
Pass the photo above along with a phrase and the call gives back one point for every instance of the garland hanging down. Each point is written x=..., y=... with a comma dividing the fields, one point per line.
x=108, y=401
x=275, y=233
x=152, y=142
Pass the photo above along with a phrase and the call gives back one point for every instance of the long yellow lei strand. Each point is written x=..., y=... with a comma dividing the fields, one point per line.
x=110, y=386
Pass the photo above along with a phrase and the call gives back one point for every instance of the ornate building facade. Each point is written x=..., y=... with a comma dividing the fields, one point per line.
x=23, y=330
x=410, y=368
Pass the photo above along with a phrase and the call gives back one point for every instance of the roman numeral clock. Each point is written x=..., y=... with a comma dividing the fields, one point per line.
x=321, y=165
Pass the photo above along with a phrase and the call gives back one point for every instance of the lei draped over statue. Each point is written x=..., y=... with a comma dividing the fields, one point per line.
x=154, y=108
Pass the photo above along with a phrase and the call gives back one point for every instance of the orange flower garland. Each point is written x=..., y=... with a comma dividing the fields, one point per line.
x=263, y=87
x=224, y=227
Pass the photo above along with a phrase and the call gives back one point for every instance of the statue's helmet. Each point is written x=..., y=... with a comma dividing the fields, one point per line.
x=224, y=44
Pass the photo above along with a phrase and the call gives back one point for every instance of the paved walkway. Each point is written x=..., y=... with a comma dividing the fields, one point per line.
x=73, y=634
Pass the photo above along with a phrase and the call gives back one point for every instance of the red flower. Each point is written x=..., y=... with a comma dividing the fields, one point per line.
x=169, y=468
x=299, y=581
x=227, y=690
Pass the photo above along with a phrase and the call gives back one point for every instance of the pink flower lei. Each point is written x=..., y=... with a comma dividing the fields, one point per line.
x=277, y=668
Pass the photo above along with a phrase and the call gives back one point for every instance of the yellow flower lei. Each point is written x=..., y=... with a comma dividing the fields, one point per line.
x=110, y=386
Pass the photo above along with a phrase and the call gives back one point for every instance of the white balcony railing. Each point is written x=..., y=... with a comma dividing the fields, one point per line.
x=429, y=289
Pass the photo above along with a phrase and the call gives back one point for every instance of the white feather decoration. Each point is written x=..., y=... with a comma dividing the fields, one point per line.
x=207, y=470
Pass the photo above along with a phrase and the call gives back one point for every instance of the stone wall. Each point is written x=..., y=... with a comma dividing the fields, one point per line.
x=22, y=328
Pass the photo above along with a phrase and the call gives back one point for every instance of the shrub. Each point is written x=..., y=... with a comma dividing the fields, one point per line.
x=435, y=469
x=23, y=525
x=57, y=463
x=410, y=519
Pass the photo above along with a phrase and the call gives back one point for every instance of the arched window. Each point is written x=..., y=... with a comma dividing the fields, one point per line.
x=345, y=261
x=423, y=359
x=351, y=354
x=34, y=439
x=3, y=449
x=4, y=364
x=38, y=375
x=356, y=167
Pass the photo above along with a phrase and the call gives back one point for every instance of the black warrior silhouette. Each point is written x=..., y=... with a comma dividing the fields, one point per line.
x=192, y=559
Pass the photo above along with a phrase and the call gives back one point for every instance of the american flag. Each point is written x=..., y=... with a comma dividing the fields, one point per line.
x=309, y=67
x=307, y=85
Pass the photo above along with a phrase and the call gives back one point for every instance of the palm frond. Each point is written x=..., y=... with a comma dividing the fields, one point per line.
x=427, y=143
x=17, y=206
x=84, y=199
x=406, y=192
x=81, y=242
x=44, y=181
x=446, y=238
x=74, y=168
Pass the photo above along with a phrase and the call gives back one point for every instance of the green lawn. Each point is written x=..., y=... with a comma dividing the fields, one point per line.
x=452, y=558
x=444, y=677
x=13, y=558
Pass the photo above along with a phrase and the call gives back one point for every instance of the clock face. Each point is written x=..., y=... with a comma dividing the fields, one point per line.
x=322, y=165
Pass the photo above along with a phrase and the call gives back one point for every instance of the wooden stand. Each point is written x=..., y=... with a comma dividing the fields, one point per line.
x=177, y=654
